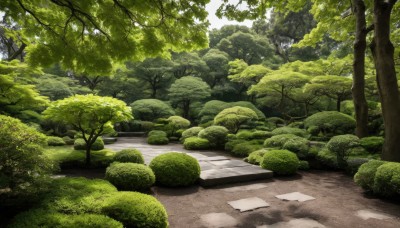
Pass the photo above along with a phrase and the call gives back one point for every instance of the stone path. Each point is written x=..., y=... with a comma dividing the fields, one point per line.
x=216, y=167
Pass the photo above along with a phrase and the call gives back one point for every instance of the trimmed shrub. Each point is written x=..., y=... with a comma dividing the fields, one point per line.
x=196, y=143
x=55, y=141
x=156, y=137
x=158, y=133
x=290, y=130
x=80, y=144
x=298, y=124
x=216, y=135
x=130, y=176
x=300, y=146
x=261, y=135
x=372, y=144
x=354, y=164
x=233, y=118
x=278, y=141
x=330, y=123
x=365, y=176
x=244, y=134
x=256, y=157
x=129, y=155
x=387, y=180
x=303, y=165
x=244, y=149
x=230, y=144
x=327, y=159
x=191, y=132
x=135, y=209
x=50, y=219
x=276, y=121
x=68, y=140
x=151, y=109
x=282, y=162
x=175, y=169
x=341, y=145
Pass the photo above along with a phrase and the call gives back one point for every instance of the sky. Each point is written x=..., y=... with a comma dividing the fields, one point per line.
x=217, y=23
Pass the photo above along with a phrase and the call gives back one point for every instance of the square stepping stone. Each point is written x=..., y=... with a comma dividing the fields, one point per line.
x=367, y=214
x=245, y=188
x=214, y=158
x=248, y=204
x=218, y=220
x=230, y=163
x=295, y=196
x=295, y=223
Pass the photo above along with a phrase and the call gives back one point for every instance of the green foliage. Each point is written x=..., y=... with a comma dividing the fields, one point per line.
x=175, y=169
x=244, y=149
x=130, y=176
x=24, y=168
x=282, y=162
x=365, y=176
x=233, y=118
x=290, y=130
x=256, y=157
x=68, y=140
x=191, y=132
x=129, y=155
x=156, y=137
x=232, y=143
x=216, y=135
x=49, y=219
x=177, y=122
x=244, y=134
x=327, y=159
x=372, y=144
x=135, y=209
x=330, y=122
x=196, y=143
x=341, y=145
x=303, y=165
x=261, y=135
x=151, y=109
x=353, y=165
x=80, y=144
x=300, y=146
x=387, y=180
x=55, y=141
x=278, y=141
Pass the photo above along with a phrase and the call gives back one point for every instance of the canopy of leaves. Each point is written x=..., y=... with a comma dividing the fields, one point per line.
x=151, y=109
x=233, y=118
x=190, y=89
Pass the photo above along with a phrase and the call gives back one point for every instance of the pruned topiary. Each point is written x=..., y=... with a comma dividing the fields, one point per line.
x=196, y=143
x=129, y=155
x=330, y=123
x=130, y=176
x=282, y=162
x=216, y=135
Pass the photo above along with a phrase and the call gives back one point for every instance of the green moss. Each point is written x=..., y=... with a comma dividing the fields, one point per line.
x=130, y=176
x=129, y=155
x=196, y=143
x=175, y=169
x=282, y=162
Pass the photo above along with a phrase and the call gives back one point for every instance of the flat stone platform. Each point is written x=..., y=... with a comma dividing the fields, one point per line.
x=217, y=167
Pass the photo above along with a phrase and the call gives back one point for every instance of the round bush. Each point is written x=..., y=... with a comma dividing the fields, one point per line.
x=365, y=176
x=55, y=141
x=196, y=143
x=230, y=144
x=261, y=135
x=157, y=140
x=80, y=144
x=303, y=165
x=290, y=130
x=256, y=157
x=354, y=164
x=330, y=122
x=68, y=140
x=191, y=132
x=130, y=176
x=387, y=180
x=216, y=135
x=151, y=109
x=175, y=169
x=327, y=159
x=300, y=146
x=372, y=144
x=278, y=141
x=43, y=218
x=129, y=155
x=341, y=145
x=157, y=133
x=135, y=209
x=244, y=149
x=282, y=162
x=244, y=134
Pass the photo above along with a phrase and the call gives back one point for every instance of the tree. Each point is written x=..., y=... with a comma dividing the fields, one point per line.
x=89, y=114
x=187, y=90
x=233, y=118
x=89, y=36
x=151, y=109
x=188, y=64
x=217, y=62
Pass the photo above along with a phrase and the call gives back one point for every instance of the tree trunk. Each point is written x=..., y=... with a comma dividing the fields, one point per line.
x=360, y=46
x=383, y=51
x=186, y=109
x=88, y=155
x=338, y=101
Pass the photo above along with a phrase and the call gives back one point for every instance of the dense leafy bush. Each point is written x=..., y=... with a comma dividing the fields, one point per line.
x=387, y=180
x=175, y=169
x=156, y=137
x=151, y=109
x=129, y=155
x=244, y=149
x=23, y=168
x=244, y=134
x=341, y=145
x=80, y=144
x=282, y=162
x=55, y=141
x=68, y=140
x=191, y=132
x=330, y=123
x=232, y=143
x=135, y=209
x=130, y=176
x=233, y=118
x=176, y=123
x=372, y=144
x=300, y=146
x=290, y=130
x=278, y=141
x=67, y=157
x=196, y=143
x=353, y=164
x=216, y=135
x=327, y=159
x=256, y=157
x=276, y=121
x=50, y=219
x=261, y=135
x=303, y=165
x=157, y=132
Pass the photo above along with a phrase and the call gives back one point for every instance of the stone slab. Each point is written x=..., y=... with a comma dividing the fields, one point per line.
x=245, y=188
x=296, y=223
x=367, y=214
x=214, y=177
x=218, y=220
x=230, y=163
x=213, y=158
x=295, y=196
x=248, y=204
